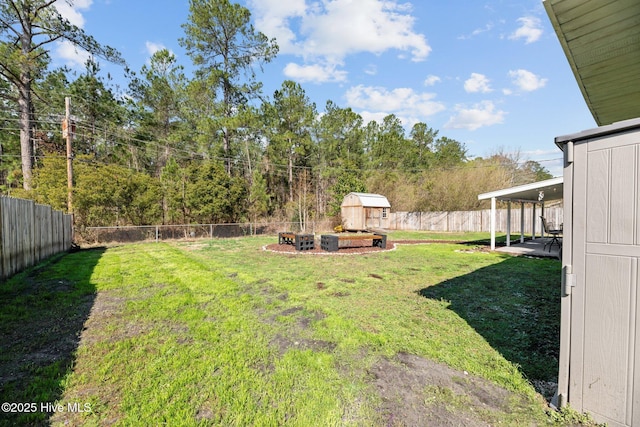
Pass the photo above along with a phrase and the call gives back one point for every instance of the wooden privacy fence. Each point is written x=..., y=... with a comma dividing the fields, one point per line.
x=459, y=221
x=30, y=233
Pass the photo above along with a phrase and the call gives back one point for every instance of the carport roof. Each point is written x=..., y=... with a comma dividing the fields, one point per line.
x=536, y=192
x=550, y=189
x=601, y=40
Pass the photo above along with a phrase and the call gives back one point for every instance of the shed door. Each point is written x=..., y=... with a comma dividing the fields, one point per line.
x=374, y=217
x=605, y=252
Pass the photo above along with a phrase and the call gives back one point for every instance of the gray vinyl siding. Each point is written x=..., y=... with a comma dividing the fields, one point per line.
x=600, y=331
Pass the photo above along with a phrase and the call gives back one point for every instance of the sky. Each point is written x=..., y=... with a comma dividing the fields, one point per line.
x=490, y=74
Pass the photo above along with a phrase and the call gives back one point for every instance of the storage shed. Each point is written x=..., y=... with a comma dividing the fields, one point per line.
x=364, y=211
x=599, y=369
x=600, y=326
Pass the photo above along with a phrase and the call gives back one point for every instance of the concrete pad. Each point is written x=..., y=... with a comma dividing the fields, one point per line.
x=532, y=248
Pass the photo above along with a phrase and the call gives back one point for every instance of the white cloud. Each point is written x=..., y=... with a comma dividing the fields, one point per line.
x=328, y=31
x=153, y=47
x=315, y=73
x=371, y=70
x=530, y=29
x=477, y=83
x=477, y=32
x=348, y=27
x=404, y=102
x=275, y=18
x=485, y=29
x=72, y=12
x=72, y=55
x=526, y=80
x=479, y=115
x=368, y=116
x=432, y=80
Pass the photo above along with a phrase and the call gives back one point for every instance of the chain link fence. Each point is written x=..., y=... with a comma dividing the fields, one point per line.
x=130, y=234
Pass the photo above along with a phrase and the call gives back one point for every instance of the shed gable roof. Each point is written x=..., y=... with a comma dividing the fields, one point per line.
x=370, y=200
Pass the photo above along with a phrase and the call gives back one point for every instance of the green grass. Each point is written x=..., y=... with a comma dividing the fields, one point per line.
x=436, y=235
x=221, y=332
x=469, y=237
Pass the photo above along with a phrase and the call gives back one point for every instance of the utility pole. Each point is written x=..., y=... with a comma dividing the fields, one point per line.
x=67, y=132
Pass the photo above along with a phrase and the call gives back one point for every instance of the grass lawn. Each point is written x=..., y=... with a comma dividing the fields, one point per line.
x=221, y=332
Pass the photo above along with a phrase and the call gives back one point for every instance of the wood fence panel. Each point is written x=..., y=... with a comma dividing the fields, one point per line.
x=43, y=225
x=37, y=233
x=68, y=231
x=434, y=221
x=30, y=233
x=15, y=237
x=478, y=221
x=8, y=236
x=3, y=234
x=461, y=221
x=56, y=230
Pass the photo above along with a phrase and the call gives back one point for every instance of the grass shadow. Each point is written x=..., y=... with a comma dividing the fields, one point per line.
x=42, y=315
x=515, y=306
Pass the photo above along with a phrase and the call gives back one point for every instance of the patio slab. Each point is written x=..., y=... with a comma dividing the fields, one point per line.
x=532, y=248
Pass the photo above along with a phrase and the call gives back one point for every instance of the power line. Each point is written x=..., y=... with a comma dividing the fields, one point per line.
x=127, y=141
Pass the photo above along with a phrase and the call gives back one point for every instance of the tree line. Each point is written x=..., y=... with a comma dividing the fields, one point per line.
x=211, y=147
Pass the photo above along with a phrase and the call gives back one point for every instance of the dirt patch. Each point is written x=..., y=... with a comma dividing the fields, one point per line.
x=286, y=343
x=304, y=322
x=340, y=294
x=417, y=391
x=292, y=325
x=290, y=311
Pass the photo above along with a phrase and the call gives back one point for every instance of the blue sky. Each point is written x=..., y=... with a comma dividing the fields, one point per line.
x=490, y=74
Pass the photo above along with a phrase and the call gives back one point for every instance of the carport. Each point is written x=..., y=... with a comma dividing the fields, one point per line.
x=536, y=193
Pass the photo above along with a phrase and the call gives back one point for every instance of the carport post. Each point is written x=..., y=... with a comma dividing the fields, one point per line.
x=533, y=222
x=521, y=222
x=542, y=215
x=509, y=223
x=493, y=223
